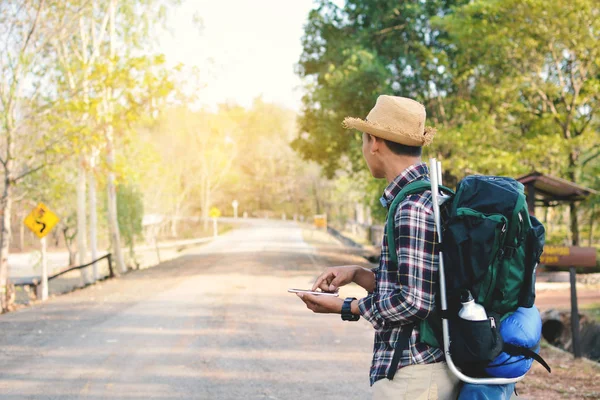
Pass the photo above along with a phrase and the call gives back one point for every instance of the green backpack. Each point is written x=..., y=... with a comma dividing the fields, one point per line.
x=491, y=247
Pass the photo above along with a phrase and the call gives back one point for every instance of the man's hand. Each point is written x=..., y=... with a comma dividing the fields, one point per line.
x=322, y=304
x=335, y=277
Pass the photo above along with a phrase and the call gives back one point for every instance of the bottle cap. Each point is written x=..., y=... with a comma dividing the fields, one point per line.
x=465, y=296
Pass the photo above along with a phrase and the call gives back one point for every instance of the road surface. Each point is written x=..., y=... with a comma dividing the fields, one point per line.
x=216, y=323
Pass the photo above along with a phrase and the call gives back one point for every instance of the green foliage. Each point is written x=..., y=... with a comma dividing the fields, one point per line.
x=529, y=71
x=130, y=211
x=352, y=54
x=512, y=85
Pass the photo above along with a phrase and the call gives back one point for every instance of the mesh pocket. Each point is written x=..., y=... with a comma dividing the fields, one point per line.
x=474, y=343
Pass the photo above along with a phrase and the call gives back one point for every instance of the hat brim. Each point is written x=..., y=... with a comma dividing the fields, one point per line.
x=389, y=133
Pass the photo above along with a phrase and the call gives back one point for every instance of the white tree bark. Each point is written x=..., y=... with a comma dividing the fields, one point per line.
x=93, y=218
x=6, y=206
x=110, y=155
x=82, y=257
x=113, y=221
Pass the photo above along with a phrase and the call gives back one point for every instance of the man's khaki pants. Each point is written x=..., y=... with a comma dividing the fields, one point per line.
x=419, y=382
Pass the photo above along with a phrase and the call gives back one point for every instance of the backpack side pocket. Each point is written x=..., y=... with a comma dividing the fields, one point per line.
x=534, y=245
x=474, y=344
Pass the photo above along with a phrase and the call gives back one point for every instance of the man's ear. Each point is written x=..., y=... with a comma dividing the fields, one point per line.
x=375, y=144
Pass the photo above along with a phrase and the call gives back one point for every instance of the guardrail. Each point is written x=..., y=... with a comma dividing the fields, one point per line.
x=111, y=273
x=35, y=281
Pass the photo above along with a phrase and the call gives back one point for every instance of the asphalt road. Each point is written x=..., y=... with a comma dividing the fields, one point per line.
x=216, y=323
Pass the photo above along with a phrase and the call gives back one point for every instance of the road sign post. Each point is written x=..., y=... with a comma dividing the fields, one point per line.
x=44, y=285
x=571, y=257
x=574, y=314
x=235, y=205
x=215, y=213
x=41, y=221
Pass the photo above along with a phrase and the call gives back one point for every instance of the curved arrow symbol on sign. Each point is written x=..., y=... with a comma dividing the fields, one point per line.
x=43, y=225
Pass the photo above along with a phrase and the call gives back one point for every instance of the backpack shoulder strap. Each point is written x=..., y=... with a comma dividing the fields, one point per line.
x=414, y=187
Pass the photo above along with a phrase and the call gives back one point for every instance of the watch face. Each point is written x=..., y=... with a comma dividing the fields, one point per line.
x=347, y=311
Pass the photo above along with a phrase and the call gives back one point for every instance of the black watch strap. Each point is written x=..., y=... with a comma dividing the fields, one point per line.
x=347, y=311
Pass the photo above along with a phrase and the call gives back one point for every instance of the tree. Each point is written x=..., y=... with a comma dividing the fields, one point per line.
x=529, y=74
x=201, y=148
x=511, y=85
x=131, y=213
x=354, y=53
x=230, y=154
x=25, y=103
x=113, y=91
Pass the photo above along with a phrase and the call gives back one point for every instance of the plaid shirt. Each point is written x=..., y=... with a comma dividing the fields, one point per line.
x=407, y=296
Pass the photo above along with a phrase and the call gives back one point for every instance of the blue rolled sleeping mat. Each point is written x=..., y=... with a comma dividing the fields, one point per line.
x=521, y=332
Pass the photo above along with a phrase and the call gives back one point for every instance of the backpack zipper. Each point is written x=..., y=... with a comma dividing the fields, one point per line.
x=497, y=259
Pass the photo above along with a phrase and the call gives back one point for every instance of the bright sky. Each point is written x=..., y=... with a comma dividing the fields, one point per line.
x=246, y=49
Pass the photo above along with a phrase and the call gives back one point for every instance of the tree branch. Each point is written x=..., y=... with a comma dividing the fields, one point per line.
x=38, y=168
x=590, y=158
x=561, y=78
x=96, y=44
x=390, y=29
x=550, y=104
x=585, y=124
x=29, y=172
x=576, y=89
x=37, y=19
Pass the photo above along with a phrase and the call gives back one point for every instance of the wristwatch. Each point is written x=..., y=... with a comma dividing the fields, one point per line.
x=347, y=312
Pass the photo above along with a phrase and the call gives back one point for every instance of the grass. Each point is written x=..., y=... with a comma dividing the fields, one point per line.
x=316, y=237
x=357, y=238
x=592, y=310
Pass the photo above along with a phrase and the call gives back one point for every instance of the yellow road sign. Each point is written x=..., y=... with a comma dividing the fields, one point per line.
x=41, y=220
x=321, y=221
x=214, y=212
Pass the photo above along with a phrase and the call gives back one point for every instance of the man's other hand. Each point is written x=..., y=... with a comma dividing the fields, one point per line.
x=322, y=304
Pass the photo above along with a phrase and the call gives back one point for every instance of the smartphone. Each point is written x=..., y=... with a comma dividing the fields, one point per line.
x=311, y=292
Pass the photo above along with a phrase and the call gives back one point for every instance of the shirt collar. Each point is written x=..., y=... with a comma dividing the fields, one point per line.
x=412, y=173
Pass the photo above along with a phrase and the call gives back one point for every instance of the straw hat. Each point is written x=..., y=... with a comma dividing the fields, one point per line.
x=397, y=119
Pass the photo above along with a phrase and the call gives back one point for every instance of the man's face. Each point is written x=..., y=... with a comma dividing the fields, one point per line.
x=372, y=160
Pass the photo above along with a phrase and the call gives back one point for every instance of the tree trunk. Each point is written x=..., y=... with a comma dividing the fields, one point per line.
x=5, y=209
x=573, y=205
x=205, y=204
x=574, y=224
x=175, y=220
x=22, y=232
x=93, y=220
x=113, y=220
x=591, y=233
x=317, y=201
x=206, y=210
x=69, y=244
x=82, y=221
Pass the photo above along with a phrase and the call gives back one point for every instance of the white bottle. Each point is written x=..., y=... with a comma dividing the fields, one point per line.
x=470, y=310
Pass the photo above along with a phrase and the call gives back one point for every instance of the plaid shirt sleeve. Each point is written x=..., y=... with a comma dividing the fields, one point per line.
x=410, y=296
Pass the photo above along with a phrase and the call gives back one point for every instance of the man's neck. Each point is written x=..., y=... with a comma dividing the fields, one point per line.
x=397, y=165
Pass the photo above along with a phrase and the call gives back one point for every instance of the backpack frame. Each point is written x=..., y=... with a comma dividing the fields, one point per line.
x=431, y=333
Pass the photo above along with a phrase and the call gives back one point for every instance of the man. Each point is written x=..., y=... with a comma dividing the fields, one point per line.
x=393, y=136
